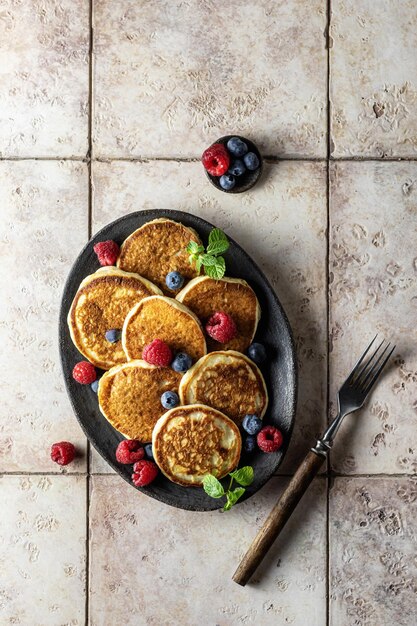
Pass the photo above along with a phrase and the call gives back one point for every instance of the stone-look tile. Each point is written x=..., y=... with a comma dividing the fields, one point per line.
x=373, y=568
x=42, y=550
x=43, y=227
x=97, y=464
x=373, y=283
x=171, y=77
x=143, y=551
x=373, y=78
x=281, y=223
x=44, y=78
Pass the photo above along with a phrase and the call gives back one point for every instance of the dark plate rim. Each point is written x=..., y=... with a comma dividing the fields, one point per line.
x=62, y=321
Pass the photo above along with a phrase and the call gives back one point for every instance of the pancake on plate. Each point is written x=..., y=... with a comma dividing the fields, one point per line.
x=189, y=442
x=205, y=296
x=101, y=303
x=159, y=317
x=129, y=396
x=157, y=248
x=227, y=381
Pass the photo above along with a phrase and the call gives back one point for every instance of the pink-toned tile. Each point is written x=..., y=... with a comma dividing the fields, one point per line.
x=373, y=78
x=153, y=564
x=42, y=550
x=44, y=78
x=43, y=227
x=171, y=77
x=373, y=568
x=281, y=223
x=373, y=281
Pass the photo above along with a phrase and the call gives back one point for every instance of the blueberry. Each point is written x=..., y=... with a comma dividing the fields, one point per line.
x=227, y=181
x=113, y=335
x=237, y=147
x=174, y=281
x=169, y=399
x=249, y=444
x=94, y=386
x=252, y=424
x=251, y=161
x=182, y=362
x=257, y=353
x=148, y=450
x=237, y=168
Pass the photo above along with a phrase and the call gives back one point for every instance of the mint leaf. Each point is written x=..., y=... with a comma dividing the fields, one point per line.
x=194, y=248
x=233, y=497
x=217, y=248
x=228, y=505
x=237, y=493
x=243, y=476
x=218, y=242
x=216, y=271
x=198, y=263
x=208, y=260
x=212, y=486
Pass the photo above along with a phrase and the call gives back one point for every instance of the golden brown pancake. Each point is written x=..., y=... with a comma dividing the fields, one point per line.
x=189, y=442
x=157, y=248
x=227, y=381
x=129, y=396
x=159, y=317
x=101, y=303
x=205, y=296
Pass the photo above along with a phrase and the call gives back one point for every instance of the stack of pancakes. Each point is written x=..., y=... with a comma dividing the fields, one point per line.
x=202, y=434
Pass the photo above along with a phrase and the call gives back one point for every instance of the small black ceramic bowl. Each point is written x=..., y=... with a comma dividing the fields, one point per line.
x=249, y=178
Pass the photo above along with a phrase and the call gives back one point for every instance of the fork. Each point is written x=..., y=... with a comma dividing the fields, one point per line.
x=351, y=397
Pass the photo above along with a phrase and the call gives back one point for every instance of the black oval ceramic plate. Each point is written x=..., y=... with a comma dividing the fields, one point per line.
x=279, y=370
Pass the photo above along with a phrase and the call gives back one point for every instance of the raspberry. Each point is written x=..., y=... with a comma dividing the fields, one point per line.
x=144, y=472
x=107, y=252
x=221, y=327
x=62, y=452
x=157, y=353
x=269, y=439
x=129, y=451
x=216, y=159
x=84, y=373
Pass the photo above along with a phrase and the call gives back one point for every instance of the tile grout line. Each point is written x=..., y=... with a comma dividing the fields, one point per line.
x=267, y=158
x=329, y=142
x=332, y=474
x=89, y=233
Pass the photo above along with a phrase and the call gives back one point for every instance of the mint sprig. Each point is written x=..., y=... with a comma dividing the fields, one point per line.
x=213, y=487
x=214, y=264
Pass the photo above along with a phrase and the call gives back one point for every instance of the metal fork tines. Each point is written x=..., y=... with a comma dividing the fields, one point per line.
x=354, y=391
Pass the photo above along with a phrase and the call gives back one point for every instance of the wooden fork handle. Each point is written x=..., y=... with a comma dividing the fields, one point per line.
x=278, y=517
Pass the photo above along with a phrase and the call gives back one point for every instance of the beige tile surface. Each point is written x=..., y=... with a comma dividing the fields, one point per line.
x=171, y=77
x=373, y=79
x=174, y=567
x=43, y=226
x=44, y=78
x=281, y=224
x=373, y=265
x=42, y=550
x=373, y=569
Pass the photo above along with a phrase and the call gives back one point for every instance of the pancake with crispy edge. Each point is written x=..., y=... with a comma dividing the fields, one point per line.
x=205, y=295
x=159, y=317
x=129, y=397
x=101, y=303
x=189, y=442
x=227, y=381
x=157, y=248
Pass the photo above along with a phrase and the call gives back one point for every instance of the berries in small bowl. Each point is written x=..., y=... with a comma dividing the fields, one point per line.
x=233, y=164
